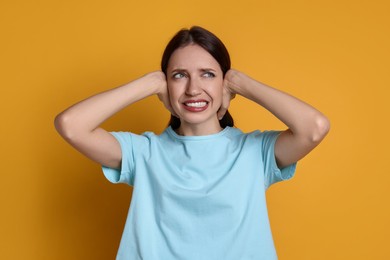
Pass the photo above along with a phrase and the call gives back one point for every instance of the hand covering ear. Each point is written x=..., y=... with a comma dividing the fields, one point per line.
x=227, y=95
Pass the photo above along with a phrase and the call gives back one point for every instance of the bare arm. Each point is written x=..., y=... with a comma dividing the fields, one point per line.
x=306, y=125
x=79, y=124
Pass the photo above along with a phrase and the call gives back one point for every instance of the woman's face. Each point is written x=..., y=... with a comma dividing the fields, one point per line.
x=195, y=85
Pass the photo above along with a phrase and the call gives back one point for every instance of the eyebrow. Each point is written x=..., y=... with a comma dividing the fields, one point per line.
x=202, y=70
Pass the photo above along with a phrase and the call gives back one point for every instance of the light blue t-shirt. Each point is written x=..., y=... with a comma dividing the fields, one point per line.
x=198, y=197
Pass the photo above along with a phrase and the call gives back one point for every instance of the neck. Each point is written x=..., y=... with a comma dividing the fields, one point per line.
x=198, y=130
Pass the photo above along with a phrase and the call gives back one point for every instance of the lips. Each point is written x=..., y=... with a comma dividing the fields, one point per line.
x=196, y=105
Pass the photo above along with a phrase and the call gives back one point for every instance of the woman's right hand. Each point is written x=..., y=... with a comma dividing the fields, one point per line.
x=163, y=93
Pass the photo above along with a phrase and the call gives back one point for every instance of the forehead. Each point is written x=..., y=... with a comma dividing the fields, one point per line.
x=192, y=56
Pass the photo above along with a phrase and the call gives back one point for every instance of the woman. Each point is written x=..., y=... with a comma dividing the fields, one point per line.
x=199, y=187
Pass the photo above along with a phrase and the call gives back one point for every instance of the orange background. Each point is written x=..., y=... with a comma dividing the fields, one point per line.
x=56, y=204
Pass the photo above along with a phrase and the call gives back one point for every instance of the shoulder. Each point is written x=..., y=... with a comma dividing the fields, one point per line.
x=256, y=134
x=263, y=135
x=263, y=140
x=137, y=141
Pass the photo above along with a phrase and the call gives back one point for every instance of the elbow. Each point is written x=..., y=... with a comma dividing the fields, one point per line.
x=63, y=125
x=321, y=128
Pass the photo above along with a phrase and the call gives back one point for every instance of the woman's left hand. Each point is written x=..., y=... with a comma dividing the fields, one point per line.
x=228, y=92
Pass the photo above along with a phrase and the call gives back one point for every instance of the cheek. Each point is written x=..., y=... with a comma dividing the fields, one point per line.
x=218, y=91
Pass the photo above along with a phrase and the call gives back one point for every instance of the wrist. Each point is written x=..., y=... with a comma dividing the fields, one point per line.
x=156, y=82
x=235, y=81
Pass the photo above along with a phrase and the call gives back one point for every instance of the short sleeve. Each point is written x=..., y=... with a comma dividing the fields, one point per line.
x=126, y=173
x=272, y=172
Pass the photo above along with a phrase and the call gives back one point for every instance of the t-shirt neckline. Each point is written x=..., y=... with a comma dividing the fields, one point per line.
x=197, y=137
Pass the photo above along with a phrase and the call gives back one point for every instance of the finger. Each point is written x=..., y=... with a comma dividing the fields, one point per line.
x=221, y=113
x=225, y=105
x=168, y=106
x=164, y=98
x=172, y=111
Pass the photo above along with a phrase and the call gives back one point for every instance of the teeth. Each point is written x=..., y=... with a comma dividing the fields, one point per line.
x=196, y=104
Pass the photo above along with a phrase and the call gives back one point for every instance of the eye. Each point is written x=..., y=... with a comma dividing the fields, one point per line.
x=209, y=74
x=178, y=75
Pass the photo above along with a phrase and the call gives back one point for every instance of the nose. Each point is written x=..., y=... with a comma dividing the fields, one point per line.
x=193, y=88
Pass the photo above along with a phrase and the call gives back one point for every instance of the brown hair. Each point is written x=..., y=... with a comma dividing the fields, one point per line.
x=213, y=45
